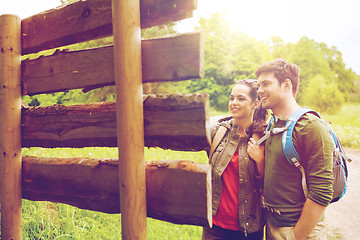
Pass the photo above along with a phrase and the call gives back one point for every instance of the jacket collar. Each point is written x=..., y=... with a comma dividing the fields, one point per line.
x=229, y=124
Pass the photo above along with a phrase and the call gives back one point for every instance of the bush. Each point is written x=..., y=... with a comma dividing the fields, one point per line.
x=322, y=96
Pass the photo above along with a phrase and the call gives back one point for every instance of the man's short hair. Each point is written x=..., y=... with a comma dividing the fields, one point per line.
x=282, y=70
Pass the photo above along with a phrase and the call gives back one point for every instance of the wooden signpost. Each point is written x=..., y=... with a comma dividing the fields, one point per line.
x=10, y=127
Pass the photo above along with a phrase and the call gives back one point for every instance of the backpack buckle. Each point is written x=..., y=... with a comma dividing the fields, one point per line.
x=296, y=162
x=279, y=130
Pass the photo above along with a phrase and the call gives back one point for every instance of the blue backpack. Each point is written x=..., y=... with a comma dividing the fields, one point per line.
x=339, y=158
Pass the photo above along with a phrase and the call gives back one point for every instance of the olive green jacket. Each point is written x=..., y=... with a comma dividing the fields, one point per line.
x=312, y=140
x=250, y=199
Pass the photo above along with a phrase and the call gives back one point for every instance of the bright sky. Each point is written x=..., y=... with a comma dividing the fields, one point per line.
x=27, y=8
x=334, y=22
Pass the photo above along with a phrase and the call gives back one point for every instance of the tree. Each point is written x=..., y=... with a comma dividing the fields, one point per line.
x=229, y=56
x=316, y=60
x=355, y=95
x=278, y=48
x=322, y=95
x=345, y=78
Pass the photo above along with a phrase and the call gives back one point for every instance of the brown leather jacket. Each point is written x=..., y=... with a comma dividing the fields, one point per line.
x=250, y=198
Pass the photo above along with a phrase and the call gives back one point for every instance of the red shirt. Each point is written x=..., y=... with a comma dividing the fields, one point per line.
x=227, y=215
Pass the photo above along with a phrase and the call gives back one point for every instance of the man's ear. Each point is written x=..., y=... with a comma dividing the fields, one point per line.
x=288, y=84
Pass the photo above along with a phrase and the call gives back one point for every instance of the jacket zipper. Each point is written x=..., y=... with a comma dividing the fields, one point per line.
x=243, y=189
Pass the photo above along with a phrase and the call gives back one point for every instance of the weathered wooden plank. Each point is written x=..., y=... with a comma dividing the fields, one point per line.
x=177, y=122
x=165, y=59
x=173, y=59
x=177, y=191
x=91, y=19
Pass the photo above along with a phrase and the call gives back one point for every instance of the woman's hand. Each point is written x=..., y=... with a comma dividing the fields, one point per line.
x=256, y=152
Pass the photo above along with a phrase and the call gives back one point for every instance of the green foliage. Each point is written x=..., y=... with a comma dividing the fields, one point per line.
x=158, y=31
x=233, y=55
x=322, y=95
x=355, y=95
x=76, y=96
x=316, y=59
x=229, y=56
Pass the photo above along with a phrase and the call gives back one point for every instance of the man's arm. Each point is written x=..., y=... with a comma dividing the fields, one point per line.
x=318, y=146
x=310, y=216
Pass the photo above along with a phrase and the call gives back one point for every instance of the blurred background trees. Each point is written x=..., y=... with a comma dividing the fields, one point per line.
x=325, y=82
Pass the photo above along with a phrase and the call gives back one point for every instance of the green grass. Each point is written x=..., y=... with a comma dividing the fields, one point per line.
x=46, y=220
x=346, y=125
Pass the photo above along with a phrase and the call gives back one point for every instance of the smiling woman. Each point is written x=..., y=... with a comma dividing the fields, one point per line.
x=237, y=167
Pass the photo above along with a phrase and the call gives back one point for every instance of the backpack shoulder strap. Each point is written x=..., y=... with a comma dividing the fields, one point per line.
x=288, y=145
x=217, y=139
x=270, y=123
x=287, y=140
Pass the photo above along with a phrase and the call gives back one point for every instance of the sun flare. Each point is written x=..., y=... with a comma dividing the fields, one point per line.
x=261, y=19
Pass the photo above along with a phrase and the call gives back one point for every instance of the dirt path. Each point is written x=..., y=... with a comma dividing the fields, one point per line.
x=343, y=217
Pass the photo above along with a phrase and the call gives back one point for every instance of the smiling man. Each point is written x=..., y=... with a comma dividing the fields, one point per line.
x=291, y=214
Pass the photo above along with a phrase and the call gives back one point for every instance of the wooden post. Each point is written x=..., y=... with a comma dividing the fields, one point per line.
x=10, y=127
x=130, y=125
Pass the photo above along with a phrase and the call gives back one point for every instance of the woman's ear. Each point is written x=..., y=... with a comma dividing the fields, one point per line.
x=256, y=104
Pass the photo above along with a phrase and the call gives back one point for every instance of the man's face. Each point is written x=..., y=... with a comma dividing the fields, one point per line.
x=270, y=91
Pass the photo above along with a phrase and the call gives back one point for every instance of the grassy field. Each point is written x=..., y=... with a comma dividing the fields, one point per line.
x=346, y=125
x=46, y=220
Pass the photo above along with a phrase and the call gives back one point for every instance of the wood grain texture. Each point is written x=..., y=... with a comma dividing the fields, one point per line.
x=177, y=191
x=177, y=122
x=129, y=118
x=10, y=134
x=86, y=20
x=164, y=59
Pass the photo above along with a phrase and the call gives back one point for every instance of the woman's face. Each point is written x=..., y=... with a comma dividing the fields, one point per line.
x=241, y=105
